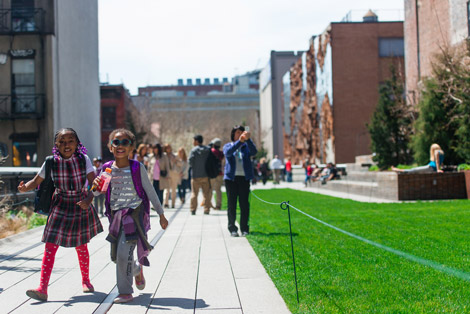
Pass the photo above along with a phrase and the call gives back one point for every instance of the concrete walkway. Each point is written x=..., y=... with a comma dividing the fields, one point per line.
x=196, y=267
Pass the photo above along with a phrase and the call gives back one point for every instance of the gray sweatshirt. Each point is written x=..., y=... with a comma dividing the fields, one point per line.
x=123, y=193
x=197, y=161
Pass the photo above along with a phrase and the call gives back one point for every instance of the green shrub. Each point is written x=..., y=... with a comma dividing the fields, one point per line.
x=374, y=168
x=36, y=220
x=463, y=167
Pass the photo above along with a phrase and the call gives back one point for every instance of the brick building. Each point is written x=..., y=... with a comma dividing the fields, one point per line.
x=332, y=90
x=48, y=76
x=429, y=27
x=116, y=105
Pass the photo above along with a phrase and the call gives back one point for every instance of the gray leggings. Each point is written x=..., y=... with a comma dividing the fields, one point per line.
x=422, y=169
x=126, y=265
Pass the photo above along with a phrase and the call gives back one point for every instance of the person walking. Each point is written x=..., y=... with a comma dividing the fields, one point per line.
x=158, y=170
x=72, y=220
x=276, y=166
x=264, y=170
x=128, y=199
x=199, y=178
x=289, y=170
x=184, y=175
x=237, y=175
x=217, y=182
x=174, y=177
x=141, y=155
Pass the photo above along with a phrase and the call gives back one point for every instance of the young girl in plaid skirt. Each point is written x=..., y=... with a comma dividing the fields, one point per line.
x=128, y=199
x=72, y=220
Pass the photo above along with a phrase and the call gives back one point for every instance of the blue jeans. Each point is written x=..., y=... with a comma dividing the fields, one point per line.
x=156, y=186
x=182, y=188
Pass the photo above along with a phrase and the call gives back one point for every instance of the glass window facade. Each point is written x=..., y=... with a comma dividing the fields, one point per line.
x=23, y=87
x=391, y=47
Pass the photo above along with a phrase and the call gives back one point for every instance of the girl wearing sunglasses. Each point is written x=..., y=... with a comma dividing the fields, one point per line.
x=127, y=204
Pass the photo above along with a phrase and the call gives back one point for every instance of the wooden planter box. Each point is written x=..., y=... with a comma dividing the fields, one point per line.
x=432, y=186
x=467, y=182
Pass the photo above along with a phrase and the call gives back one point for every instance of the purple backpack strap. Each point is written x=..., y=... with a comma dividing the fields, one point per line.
x=108, y=193
x=137, y=180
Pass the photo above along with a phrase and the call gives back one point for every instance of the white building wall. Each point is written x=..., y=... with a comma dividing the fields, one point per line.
x=266, y=119
x=459, y=21
x=77, y=96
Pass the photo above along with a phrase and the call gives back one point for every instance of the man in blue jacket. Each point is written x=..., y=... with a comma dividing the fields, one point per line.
x=238, y=174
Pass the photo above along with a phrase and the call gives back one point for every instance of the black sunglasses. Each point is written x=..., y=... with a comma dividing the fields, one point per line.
x=124, y=142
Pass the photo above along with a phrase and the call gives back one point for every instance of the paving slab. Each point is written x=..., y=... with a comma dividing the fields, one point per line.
x=195, y=267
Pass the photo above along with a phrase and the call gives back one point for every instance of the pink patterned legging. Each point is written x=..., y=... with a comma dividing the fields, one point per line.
x=48, y=264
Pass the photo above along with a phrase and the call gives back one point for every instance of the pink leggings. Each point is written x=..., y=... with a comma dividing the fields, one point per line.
x=48, y=264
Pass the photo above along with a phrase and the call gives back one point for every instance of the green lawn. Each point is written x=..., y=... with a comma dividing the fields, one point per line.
x=341, y=274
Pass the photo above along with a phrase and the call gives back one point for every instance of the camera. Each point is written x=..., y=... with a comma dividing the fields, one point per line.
x=247, y=128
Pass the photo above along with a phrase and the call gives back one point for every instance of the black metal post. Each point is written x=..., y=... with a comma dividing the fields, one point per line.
x=286, y=205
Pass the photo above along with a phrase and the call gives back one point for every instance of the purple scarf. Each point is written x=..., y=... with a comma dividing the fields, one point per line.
x=142, y=250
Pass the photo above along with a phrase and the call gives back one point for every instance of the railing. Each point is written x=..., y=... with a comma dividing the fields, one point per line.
x=24, y=20
x=27, y=106
x=10, y=178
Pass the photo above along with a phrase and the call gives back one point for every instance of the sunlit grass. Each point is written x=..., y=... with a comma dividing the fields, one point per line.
x=340, y=274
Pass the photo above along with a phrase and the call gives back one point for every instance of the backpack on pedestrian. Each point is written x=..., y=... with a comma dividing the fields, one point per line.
x=213, y=165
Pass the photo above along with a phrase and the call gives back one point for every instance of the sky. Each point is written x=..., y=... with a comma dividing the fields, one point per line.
x=155, y=42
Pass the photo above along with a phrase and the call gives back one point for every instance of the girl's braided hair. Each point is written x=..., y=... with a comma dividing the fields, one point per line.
x=80, y=150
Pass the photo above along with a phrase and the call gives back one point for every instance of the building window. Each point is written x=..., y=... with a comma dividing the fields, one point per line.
x=23, y=86
x=22, y=15
x=109, y=117
x=391, y=47
x=3, y=150
x=24, y=153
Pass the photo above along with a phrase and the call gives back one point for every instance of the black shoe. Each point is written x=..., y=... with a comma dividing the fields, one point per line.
x=166, y=206
x=245, y=233
x=193, y=212
x=234, y=234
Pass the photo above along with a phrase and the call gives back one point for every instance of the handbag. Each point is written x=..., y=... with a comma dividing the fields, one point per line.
x=44, y=192
x=163, y=173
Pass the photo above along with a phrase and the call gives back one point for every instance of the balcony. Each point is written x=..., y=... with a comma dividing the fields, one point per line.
x=22, y=21
x=28, y=106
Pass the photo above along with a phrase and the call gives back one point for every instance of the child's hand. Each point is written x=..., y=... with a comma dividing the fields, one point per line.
x=96, y=182
x=22, y=187
x=84, y=204
x=163, y=221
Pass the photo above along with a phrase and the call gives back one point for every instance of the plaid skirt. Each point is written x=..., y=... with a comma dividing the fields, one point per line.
x=68, y=224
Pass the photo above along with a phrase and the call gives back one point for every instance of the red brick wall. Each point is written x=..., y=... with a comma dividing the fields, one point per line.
x=122, y=96
x=432, y=186
x=357, y=73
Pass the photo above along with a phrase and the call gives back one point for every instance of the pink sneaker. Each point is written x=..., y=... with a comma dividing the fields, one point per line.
x=88, y=287
x=140, y=280
x=124, y=298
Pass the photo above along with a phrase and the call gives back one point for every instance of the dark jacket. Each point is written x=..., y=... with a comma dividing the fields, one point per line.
x=197, y=161
x=247, y=149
